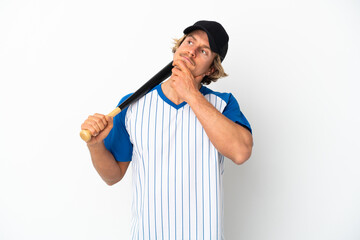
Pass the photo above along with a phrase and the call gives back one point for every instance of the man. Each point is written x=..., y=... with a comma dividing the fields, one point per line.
x=176, y=137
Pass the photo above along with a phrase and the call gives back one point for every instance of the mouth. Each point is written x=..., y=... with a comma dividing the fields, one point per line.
x=187, y=59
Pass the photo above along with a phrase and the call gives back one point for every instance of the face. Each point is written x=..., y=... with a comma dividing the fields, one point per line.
x=196, y=53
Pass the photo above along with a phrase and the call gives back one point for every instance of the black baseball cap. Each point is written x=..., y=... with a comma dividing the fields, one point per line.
x=218, y=38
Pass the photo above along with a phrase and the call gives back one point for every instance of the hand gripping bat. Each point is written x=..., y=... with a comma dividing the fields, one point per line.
x=155, y=80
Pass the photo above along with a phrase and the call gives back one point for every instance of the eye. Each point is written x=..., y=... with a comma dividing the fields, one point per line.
x=203, y=52
x=190, y=42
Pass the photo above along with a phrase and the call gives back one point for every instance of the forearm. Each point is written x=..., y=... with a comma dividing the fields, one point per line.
x=105, y=163
x=229, y=138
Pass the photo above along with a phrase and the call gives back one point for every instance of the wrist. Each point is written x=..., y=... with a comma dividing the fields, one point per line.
x=194, y=97
x=95, y=145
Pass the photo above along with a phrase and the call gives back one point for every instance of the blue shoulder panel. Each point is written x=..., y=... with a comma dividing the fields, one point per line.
x=232, y=109
x=118, y=140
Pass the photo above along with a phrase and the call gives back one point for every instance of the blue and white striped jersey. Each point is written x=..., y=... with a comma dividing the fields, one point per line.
x=177, y=172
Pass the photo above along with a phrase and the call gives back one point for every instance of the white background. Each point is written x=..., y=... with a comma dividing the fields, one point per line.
x=293, y=66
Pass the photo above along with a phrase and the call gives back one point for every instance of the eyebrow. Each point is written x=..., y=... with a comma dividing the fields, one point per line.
x=203, y=46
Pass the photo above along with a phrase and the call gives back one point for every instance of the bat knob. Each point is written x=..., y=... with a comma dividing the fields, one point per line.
x=85, y=135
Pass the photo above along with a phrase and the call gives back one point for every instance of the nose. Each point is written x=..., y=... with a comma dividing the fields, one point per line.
x=192, y=51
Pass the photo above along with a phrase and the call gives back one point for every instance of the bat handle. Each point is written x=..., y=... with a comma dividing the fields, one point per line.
x=86, y=134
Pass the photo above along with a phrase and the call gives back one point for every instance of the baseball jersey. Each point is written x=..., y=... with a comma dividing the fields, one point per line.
x=177, y=172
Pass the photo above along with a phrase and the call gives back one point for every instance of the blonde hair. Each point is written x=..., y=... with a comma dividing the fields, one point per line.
x=216, y=65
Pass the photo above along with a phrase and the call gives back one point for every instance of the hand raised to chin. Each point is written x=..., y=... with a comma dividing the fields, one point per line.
x=183, y=81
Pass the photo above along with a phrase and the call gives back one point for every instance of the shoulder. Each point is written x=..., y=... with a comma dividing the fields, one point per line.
x=123, y=99
x=229, y=106
x=135, y=96
x=225, y=96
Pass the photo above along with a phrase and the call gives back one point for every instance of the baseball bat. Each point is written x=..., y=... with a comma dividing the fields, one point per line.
x=155, y=80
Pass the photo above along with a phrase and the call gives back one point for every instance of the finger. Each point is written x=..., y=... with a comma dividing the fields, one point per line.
x=102, y=118
x=94, y=128
x=108, y=128
x=176, y=71
x=182, y=70
x=109, y=120
x=87, y=125
x=96, y=123
x=180, y=64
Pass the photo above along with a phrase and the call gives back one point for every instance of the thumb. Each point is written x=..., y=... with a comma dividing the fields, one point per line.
x=108, y=127
x=104, y=133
